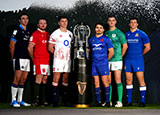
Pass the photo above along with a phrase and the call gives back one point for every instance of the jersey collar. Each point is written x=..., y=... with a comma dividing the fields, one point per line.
x=21, y=27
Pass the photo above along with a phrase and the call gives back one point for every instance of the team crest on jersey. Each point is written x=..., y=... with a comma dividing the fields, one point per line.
x=113, y=35
x=105, y=72
x=60, y=35
x=92, y=40
x=124, y=67
x=70, y=35
x=102, y=40
x=137, y=35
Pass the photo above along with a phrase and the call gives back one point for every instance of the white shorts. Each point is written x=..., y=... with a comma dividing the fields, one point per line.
x=21, y=64
x=117, y=65
x=41, y=69
x=61, y=65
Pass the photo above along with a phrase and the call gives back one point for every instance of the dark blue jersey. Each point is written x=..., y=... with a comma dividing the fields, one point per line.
x=21, y=37
x=99, y=47
x=136, y=41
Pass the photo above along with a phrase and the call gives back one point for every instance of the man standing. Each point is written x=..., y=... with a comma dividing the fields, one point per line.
x=21, y=62
x=115, y=63
x=38, y=52
x=138, y=45
x=100, y=45
x=60, y=46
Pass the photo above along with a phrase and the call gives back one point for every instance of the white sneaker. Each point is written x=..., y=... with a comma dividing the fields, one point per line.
x=15, y=104
x=22, y=103
x=110, y=104
x=105, y=104
x=119, y=104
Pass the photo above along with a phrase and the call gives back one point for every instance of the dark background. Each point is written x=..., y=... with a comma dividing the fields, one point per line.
x=89, y=13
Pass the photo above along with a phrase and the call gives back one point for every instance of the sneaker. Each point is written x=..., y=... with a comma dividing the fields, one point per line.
x=107, y=104
x=22, y=103
x=119, y=104
x=141, y=104
x=15, y=104
x=35, y=104
x=103, y=105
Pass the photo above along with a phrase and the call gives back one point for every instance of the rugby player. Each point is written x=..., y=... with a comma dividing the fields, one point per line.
x=99, y=46
x=138, y=45
x=39, y=53
x=115, y=63
x=21, y=60
x=60, y=46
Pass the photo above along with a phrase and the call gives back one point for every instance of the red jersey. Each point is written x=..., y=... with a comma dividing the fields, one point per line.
x=40, y=39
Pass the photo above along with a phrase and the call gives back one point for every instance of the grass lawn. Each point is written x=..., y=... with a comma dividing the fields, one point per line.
x=135, y=106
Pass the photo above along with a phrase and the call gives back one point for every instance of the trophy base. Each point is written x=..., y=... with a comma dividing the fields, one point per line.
x=81, y=105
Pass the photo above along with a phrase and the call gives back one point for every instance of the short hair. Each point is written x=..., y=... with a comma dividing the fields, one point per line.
x=134, y=18
x=23, y=13
x=99, y=23
x=112, y=16
x=41, y=19
x=60, y=17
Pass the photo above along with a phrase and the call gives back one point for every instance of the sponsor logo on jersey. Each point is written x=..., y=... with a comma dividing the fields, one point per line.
x=70, y=35
x=44, y=41
x=124, y=67
x=113, y=35
x=132, y=40
x=26, y=37
x=66, y=42
x=97, y=46
x=60, y=35
x=136, y=35
x=92, y=40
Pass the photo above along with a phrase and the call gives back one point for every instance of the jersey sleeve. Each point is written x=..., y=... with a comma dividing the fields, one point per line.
x=89, y=44
x=122, y=37
x=52, y=38
x=109, y=43
x=33, y=39
x=145, y=38
x=14, y=34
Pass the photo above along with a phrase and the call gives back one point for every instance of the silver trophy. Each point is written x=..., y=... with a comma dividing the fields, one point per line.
x=81, y=33
x=81, y=57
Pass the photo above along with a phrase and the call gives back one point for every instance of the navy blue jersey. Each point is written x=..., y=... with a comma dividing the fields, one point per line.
x=136, y=41
x=21, y=37
x=99, y=47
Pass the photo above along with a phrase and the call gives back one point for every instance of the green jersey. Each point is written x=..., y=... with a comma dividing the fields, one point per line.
x=118, y=39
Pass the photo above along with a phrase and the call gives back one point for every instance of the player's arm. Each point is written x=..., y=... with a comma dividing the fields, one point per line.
x=124, y=49
x=12, y=48
x=51, y=47
x=147, y=48
x=30, y=49
x=110, y=53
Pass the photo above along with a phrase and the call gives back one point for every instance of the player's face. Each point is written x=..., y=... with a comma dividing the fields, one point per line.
x=99, y=29
x=133, y=24
x=63, y=23
x=24, y=20
x=111, y=21
x=42, y=24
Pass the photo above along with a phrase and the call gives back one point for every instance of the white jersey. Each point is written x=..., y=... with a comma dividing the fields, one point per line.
x=62, y=41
